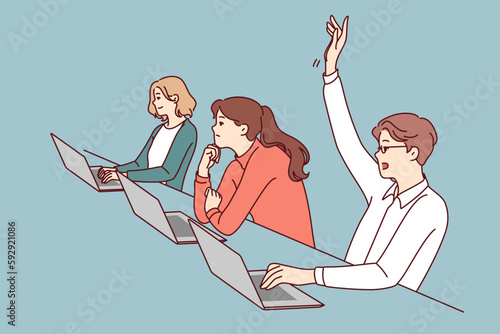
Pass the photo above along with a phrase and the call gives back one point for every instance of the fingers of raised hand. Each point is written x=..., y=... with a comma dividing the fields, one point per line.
x=343, y=35
x=329, y=28
x=333, y=26
x=334, y=22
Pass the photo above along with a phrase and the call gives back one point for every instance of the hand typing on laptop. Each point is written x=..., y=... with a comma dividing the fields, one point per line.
x=107, y=174
x=279, y=273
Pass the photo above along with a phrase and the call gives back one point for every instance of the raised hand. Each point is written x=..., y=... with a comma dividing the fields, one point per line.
x=211, y=156
x=339, y=36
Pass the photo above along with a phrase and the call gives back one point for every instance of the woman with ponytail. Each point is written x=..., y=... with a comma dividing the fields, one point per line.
x=264, y=180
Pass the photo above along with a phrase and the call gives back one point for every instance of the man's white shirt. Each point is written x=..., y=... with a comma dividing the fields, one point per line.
x=398, y=238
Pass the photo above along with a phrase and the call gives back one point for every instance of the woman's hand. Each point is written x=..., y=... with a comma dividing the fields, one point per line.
x=339, y=36
x=103, y=170
x=278, y=273
x=211, y=156
x=213, y=199
x=110, y=175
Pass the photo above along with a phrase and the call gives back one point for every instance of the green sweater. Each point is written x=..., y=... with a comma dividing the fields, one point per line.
x=174, y=167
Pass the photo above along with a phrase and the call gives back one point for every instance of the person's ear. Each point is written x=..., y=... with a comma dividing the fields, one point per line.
x=244, y=129
x=174, y=98
x=413, y=154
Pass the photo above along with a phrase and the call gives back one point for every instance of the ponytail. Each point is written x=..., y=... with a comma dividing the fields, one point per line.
x=260, y=119
x=271, y=135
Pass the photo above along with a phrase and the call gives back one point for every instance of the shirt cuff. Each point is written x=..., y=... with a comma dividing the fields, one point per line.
x=201, y=179
x=121, y=168
x=331, y=78
x=212, y=212
x=318, y=275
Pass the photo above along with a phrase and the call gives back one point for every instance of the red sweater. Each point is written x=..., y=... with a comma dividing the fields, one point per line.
x=258, y=183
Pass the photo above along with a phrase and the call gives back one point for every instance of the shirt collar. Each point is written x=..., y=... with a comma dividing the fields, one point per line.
x=390, y=191
x=408, y=195
x=243, y=160
x=177, y=127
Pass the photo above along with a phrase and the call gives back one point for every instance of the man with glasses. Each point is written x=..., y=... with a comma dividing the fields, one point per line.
x=401, y=231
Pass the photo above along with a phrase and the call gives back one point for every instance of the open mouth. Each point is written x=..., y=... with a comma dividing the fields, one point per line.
x=385, y=165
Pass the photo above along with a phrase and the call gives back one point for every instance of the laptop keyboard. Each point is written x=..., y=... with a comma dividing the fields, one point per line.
x=275, y=294
x=110, y=184
x=179, y=225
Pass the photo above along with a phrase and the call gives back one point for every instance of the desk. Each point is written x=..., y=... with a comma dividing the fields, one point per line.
x=113, y=273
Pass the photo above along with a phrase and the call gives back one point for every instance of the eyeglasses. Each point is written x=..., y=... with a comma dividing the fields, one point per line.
x=384, y=149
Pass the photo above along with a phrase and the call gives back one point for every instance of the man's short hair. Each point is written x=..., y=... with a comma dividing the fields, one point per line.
x=412, y=130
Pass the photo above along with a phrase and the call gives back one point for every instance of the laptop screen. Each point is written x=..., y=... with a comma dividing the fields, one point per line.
x=226, y=264
x=146, y=206
x=74, y=161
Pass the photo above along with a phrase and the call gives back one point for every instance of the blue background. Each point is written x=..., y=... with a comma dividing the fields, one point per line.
x=73, y=72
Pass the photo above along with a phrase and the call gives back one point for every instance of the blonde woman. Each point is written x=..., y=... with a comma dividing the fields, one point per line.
x=166, y=156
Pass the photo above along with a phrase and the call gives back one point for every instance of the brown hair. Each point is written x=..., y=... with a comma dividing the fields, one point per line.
x=412, y=130
x=172, y=86
x=260, y=119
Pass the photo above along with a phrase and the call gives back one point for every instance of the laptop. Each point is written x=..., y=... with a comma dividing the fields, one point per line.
x=228, y=265
x=78, y=165
x=174, y=225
